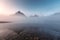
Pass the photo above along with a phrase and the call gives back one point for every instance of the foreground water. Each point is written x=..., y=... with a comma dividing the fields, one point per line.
x=29, y=28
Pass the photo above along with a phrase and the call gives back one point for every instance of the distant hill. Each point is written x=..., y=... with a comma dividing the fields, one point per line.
x=56, y=14
x=53, y=19
x=34, y=16
x=5, y=22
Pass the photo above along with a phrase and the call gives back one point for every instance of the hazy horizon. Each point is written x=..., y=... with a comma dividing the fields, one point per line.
x=29, y=7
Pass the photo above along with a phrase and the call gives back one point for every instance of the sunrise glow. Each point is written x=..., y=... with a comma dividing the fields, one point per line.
x=5, y=8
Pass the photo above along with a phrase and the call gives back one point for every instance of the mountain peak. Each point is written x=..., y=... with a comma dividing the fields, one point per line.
x=19, y=13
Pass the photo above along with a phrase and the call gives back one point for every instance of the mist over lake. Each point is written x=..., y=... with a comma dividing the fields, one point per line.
x=29, y=19
x=46, y=26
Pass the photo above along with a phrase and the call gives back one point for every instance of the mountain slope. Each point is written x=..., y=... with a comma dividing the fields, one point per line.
x=18, y=13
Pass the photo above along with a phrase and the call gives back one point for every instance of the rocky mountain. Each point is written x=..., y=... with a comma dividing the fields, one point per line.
x=18, y=13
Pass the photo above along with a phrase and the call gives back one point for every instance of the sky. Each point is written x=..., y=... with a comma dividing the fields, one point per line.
x=30, y=7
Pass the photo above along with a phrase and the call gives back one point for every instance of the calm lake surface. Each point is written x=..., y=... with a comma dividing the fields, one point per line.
x=44, y=25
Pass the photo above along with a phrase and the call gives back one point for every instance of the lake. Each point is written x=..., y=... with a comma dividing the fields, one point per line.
x=29, y=28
